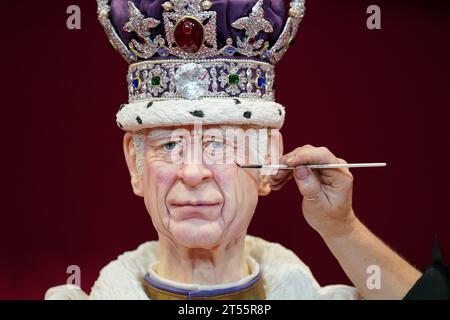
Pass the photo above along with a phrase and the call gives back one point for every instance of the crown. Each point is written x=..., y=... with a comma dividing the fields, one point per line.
x=195, y=49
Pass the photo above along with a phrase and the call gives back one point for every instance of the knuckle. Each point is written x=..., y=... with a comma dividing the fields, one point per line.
x=350, y=181
x=324, y=149
x=350, y=178
x=294, y=153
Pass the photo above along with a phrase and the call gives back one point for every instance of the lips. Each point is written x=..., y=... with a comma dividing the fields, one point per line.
x=195, y=203
x=203, y=210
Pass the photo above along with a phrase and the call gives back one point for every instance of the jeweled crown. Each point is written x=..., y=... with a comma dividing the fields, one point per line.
x=193, y=49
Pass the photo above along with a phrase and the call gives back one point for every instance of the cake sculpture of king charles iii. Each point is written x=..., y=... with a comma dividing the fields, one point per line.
x=209, y=62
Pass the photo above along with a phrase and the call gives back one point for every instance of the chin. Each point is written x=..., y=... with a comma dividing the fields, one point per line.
x=197, y=233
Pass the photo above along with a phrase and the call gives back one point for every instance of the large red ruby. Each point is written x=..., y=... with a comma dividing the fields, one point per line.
x=189, y=34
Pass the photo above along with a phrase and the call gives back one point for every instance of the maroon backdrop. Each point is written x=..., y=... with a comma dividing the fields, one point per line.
x=367, y=95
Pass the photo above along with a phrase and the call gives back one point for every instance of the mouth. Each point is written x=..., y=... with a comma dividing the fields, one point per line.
x=195, y=204
x=203, y=210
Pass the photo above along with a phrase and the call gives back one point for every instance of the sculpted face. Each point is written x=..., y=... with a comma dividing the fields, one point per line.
x=197, y=198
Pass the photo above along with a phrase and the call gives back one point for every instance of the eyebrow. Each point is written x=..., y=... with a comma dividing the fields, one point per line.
x=159, y=134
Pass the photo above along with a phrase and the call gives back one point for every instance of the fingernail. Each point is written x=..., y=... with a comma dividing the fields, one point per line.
x=301, y=172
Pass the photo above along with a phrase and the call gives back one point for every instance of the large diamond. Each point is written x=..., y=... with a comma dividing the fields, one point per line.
x=191, y=81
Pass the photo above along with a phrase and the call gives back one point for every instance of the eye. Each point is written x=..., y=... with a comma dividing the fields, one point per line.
x=170, y=145
x=217, y=144
x=213, y=146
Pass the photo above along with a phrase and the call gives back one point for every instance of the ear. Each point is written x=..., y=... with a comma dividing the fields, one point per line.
x=275, y=151
x=130, y=157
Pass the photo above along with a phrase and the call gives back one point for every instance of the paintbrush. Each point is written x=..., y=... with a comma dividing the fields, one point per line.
x=313, y=166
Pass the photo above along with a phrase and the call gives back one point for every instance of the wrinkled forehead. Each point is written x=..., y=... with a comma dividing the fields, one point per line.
x=209, y=130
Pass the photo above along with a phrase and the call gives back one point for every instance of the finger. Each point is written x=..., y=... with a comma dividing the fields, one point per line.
x=278, y=184
x=335, y=178
x=345, y=170
x=287, y=174
x=311, y=155
x=332, y=172
x=290, y=155
x=307, y=182
x=344, y=176
x=281, y=177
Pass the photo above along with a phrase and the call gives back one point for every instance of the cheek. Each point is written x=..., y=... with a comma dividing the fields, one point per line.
x=232, y=177
x=225, y=177
x=240, y=191
x=163, y=175
x=247, y=181
x=158, y=179
x=159, y=174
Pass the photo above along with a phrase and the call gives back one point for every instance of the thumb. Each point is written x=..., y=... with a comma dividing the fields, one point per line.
x=307, y=181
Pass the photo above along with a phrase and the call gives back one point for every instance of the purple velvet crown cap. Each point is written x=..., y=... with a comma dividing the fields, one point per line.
x=227, y=12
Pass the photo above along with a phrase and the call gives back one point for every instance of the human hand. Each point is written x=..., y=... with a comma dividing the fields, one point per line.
x=327, y=193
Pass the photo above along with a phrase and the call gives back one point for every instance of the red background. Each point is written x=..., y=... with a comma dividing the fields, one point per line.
x=378, y=95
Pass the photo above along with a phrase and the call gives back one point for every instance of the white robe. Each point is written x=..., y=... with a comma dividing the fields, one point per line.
x=284, y=274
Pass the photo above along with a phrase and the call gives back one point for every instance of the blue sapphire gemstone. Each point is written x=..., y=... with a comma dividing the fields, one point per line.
x=261, y=82
x=163, y=52
x=229, y=51
x=265, y=54
x=135, y=83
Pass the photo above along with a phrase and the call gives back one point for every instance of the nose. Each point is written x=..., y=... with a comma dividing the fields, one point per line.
x=193, y=174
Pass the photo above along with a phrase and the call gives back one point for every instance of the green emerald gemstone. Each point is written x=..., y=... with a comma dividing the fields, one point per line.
x=233, y=79
x=156, y=80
